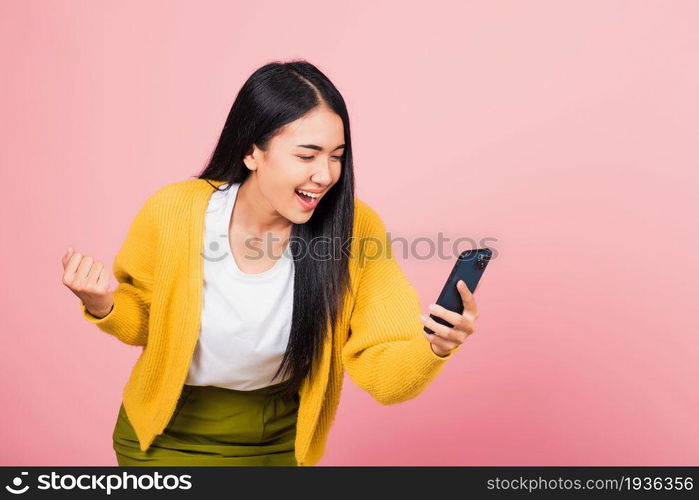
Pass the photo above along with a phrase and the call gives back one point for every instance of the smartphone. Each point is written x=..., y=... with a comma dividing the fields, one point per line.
x=469, y=267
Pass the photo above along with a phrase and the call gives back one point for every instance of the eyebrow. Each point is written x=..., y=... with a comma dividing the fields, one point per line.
x=318, y=148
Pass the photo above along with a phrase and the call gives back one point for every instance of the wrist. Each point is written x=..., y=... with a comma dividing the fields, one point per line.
x=100, y=313
x=439, y=352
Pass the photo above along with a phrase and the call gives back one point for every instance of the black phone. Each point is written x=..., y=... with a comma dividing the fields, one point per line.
x=469, y=267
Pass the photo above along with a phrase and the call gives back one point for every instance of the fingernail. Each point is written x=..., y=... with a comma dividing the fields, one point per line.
x=432, y=307
x=423, y=317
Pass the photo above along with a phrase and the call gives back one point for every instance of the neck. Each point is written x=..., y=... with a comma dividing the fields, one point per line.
x=253, y=213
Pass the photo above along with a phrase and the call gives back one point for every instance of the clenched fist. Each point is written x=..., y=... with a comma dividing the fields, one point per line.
x=89, y=280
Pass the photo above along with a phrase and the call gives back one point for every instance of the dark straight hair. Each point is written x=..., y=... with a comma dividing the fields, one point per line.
x=273, y=96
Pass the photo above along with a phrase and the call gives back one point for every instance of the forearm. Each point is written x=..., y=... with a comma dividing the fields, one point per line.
x=128, y=318
x=397, y=371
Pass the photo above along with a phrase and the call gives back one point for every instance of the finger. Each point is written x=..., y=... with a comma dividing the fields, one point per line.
x=450, y=316
x=440, y=342
x=72, y=267
x=83, y=269
x=66, y=257
x=467, y=297
x=467, y=325
x=103, y=280
x=94, y=273
x=442, y=331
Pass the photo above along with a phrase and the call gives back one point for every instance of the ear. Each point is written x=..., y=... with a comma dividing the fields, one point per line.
x=250, y=160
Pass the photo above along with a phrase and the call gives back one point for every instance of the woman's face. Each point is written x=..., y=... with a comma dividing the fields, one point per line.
x=305, y=155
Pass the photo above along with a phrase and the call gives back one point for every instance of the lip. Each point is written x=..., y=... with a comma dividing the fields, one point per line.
x=305, y=205
x=316, y=191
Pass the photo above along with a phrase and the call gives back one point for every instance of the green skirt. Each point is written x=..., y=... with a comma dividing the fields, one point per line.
x=217, y=426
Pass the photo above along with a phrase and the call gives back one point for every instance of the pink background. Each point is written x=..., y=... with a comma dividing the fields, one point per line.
x=566, y=130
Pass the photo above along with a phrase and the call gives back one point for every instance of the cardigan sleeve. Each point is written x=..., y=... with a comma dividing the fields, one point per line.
x=386, y=353
x=133, y=269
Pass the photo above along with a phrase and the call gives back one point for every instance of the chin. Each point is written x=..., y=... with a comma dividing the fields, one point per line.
x=301, y=219
x=297, y=218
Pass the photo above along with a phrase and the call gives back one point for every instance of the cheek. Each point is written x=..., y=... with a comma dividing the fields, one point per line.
x=281, y=179
x=287, y=176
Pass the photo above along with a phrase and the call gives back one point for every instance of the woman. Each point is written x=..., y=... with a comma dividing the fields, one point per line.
x=253, y=286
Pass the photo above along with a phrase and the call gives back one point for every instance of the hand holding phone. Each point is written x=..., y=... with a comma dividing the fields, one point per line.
x=469, y=267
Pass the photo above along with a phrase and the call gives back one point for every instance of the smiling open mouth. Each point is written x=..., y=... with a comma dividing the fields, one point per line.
x=306, y=200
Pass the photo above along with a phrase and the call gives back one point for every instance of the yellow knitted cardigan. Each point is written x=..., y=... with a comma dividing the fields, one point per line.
x=378, y=337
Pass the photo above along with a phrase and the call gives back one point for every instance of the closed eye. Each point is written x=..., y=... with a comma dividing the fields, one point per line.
x=338, y=158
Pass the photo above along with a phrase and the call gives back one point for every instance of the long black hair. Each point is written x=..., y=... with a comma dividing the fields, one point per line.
x=273, y=96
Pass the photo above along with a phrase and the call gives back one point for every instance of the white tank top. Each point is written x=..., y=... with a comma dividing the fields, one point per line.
x=246, y=317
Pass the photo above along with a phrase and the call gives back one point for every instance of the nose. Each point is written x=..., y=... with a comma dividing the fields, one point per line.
x=322, y=175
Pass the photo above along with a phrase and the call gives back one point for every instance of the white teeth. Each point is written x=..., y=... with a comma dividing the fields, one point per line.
x=312, y=195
